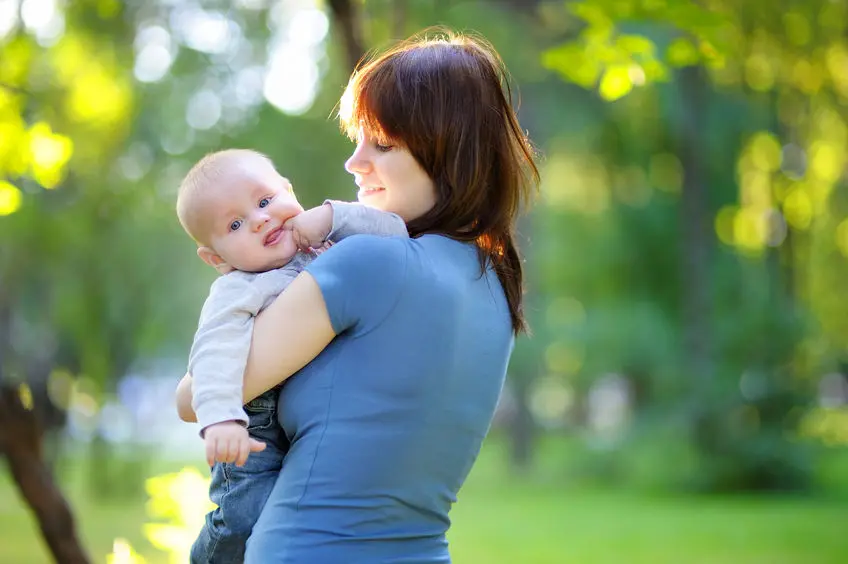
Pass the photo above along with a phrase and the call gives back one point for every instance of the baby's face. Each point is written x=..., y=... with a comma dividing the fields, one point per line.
x=244, y=217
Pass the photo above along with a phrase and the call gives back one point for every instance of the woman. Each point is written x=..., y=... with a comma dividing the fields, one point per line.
x=407, y=340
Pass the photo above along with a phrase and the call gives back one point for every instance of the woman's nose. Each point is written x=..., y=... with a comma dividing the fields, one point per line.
x=358, y=163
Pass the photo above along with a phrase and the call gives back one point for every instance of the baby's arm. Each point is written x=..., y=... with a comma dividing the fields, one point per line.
x=352, y=219
x=335, y=221
x=219, y=351
x=218, y=358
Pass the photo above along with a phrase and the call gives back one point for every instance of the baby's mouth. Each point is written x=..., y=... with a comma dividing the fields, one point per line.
x=273, y=236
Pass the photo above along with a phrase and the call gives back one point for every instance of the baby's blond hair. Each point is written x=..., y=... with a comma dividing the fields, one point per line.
x=212, y=168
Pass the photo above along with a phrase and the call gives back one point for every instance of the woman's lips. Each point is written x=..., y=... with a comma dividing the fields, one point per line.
x=369, y=191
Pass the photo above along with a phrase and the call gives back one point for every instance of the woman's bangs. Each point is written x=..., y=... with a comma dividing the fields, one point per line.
x=370, y=103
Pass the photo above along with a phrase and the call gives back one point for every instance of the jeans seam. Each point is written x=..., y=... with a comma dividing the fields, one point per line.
x=216, y=538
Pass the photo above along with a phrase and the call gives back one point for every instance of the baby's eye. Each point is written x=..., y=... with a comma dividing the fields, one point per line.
x=264, y=202
x=235, y=225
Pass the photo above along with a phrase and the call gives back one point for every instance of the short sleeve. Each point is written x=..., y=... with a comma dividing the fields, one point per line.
x=361, y=279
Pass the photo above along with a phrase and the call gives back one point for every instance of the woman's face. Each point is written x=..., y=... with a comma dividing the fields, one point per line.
x=390, y=179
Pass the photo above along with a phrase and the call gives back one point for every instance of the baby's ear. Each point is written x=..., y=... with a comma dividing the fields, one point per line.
x=213, y=259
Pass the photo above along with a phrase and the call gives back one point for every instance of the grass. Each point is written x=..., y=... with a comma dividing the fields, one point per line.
x=534, y=520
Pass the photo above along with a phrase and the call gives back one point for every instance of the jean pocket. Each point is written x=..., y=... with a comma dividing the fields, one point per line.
x=262, y=411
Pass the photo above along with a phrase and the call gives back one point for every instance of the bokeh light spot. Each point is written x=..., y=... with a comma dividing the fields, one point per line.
x=10, y=198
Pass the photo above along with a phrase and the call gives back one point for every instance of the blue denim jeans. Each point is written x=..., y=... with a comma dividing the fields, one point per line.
x=241, y=492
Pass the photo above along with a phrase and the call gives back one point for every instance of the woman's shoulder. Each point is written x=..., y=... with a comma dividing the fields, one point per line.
x=360, y=278
x=368, y=250
x=372, y=259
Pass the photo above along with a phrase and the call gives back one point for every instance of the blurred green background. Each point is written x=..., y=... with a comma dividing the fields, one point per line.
x=684, y=395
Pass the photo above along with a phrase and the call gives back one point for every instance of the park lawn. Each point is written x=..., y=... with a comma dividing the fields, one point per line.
x=536, y=520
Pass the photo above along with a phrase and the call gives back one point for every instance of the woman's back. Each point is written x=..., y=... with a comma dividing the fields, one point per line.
x=386, y=422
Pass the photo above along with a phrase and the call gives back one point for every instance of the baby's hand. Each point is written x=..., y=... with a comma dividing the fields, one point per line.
x=228, y=441
x=311, y=227
x=324, y=247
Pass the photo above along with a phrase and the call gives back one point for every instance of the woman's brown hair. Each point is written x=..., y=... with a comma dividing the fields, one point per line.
x=448, y=101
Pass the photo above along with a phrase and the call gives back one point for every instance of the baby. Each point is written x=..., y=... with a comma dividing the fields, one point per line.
x=249, y=226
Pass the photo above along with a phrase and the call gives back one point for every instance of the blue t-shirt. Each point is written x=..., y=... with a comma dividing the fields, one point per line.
x=387, y=421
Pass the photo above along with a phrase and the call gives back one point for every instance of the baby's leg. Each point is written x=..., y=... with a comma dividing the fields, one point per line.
x=241, y=492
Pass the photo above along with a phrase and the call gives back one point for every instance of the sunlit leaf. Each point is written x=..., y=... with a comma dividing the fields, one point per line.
x=10, y=198
x=49, y=154
x=829, y=425
x=765, y=151
x=690, y=16
x=842, y=237
x=97, y=97
x=750, y=230
x=724, y=224
x=797, y=28
x=592, y=13
x=682, y=53
x=837, y=66
x=108, y=9
x=759, y=72
x=25, y=394
x=123, y=553
x=711, y=55
x=180, y=498
x=635, y=44
x=826, y=161
x=17, y=58
x=615, y=83
x=69, y=57
x=570, y=60
x=798, y=209
x=174, y=540
x=655, y=71
x=14, y=158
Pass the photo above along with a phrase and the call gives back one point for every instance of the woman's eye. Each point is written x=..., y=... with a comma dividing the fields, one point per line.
x=264, y=202
x=235, y=225
x=383, y=148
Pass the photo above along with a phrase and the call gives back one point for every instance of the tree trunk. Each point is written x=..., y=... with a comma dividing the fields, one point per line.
x=522, y=430
x=20, y=442
x=399, y=19
x=695, y=232
x=348, y=21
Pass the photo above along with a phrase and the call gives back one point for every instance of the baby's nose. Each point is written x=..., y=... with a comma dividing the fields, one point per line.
x=259, y=222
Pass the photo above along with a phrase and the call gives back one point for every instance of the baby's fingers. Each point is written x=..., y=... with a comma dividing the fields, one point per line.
x=243, y=451
x=256, y=446
x=224, y=452
x=210, y=452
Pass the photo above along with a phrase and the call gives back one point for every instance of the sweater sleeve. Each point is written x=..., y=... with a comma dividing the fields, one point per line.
x=222, y=343
x=352, y=219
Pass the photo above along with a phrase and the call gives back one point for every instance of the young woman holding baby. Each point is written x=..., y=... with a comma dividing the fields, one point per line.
x=395, y=349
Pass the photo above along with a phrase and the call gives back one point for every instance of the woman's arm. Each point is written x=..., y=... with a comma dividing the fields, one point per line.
x=184, y=409
x=292, y=331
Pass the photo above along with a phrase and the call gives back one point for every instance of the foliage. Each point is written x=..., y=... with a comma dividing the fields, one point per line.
x=632, y=103
x=180, y=500
x=766, y=132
